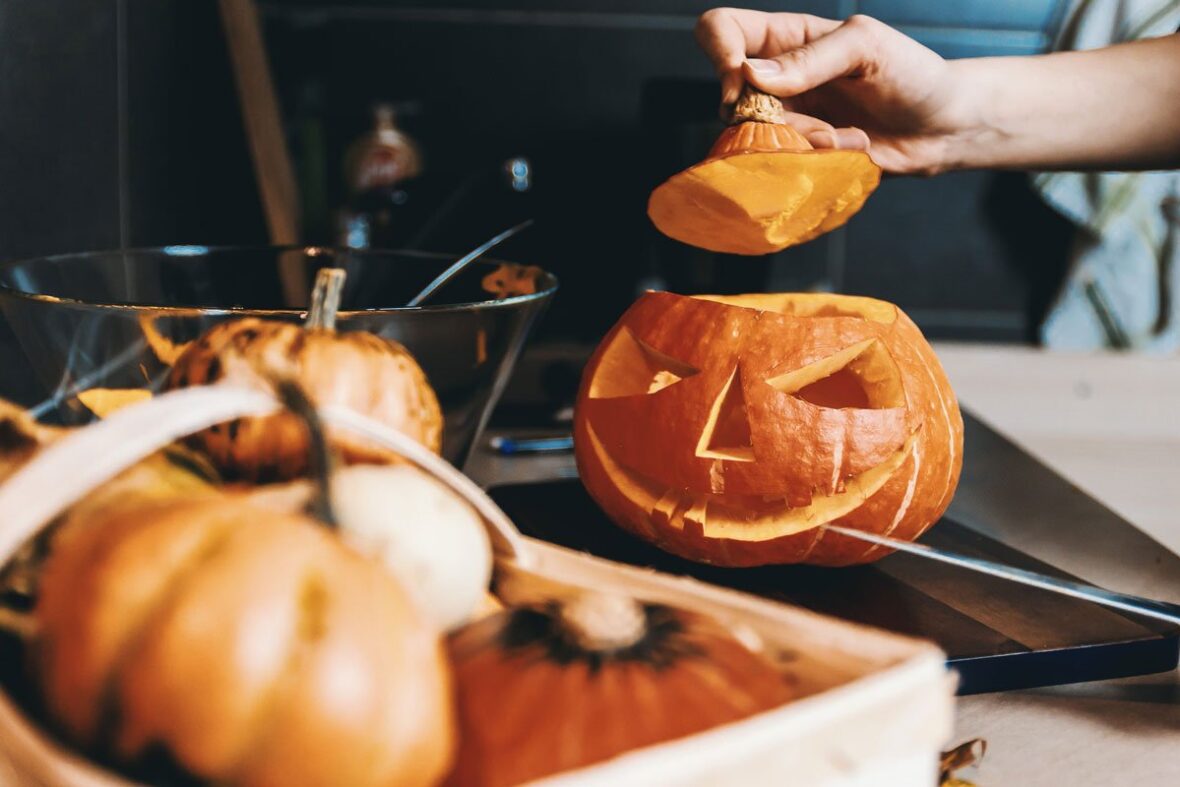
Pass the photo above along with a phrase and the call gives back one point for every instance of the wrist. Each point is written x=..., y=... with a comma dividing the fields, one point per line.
x=973, y=131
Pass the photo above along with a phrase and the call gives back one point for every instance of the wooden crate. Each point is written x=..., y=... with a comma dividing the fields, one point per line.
x=874, y=708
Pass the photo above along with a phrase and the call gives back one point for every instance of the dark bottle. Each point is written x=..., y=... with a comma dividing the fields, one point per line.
x=379, y=168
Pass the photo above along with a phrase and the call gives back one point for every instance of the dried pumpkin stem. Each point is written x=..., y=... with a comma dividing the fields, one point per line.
x=320, y=456
x=325, y=299
x=602, y=621
x=754, y=105
x=962, y=756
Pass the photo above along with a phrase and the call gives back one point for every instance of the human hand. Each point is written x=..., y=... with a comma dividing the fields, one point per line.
x=852, y=84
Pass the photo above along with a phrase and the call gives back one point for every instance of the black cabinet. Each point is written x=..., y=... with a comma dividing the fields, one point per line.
x=121, y=127
x=608, y=97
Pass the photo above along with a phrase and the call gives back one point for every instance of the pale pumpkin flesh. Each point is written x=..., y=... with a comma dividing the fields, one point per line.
x=762, y=187
x=762, y=202
x=783, y=412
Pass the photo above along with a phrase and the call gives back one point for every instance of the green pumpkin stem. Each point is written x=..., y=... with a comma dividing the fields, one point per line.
x=320, y=461
x=325, y=299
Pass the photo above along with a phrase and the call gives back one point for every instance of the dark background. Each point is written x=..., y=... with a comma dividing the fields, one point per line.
x=119, y=126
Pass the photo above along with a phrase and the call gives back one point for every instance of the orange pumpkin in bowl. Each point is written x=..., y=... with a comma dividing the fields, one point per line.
x=762, y=187
x=250, y=645
x=360, y=371
x=730, y=429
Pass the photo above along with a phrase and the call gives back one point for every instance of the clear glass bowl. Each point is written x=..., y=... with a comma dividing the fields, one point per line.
x=115, y=319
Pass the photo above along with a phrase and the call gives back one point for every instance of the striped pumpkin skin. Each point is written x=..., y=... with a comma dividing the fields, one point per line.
x=361, y=371
x=728, y=429
x=755, y=137
x=687, y=674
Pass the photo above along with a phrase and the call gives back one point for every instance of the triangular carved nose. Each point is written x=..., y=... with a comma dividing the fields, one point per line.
x=727, y=431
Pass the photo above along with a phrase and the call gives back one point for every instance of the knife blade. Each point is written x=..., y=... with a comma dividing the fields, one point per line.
x=1151, y=608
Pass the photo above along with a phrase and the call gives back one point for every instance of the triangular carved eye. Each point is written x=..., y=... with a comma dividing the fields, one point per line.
x=630, y=367
x=862, y=376
x=727, y=432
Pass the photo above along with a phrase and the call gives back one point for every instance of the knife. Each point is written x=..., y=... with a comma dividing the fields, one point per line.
x=1160, y=610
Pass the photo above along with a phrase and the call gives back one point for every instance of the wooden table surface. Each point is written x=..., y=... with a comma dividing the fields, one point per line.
x=1111, y=425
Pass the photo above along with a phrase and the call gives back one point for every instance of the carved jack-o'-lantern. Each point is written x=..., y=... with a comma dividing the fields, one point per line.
x=729, y=429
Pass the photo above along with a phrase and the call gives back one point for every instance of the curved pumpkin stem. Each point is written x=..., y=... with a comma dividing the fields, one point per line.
x=325, y=299
x=320, y=461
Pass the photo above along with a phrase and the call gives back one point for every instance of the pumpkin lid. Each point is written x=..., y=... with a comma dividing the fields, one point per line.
x=762, y=187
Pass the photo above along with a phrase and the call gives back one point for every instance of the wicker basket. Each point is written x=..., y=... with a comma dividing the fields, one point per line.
x=875, y=708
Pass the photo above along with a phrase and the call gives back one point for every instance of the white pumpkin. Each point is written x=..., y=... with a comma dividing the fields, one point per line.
x=428, y=537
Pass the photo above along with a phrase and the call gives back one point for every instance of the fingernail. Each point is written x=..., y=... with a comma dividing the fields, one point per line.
x=823, y=139
x=852, y=138
x=764, y=66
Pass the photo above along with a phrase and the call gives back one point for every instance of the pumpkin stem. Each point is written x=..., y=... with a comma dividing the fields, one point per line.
x=603, y=621
x=320, y=460
x=754, y=105
x=325, y=299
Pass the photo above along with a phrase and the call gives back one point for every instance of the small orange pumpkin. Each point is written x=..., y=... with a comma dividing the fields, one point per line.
x=361, y=371
x=551, y=688
x=250, y=645
x=762, y=187
x=729, y=429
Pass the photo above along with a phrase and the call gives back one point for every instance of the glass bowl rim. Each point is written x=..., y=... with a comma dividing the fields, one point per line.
x=309, y=251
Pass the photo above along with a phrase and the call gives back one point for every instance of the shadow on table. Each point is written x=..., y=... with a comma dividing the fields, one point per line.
x=1145, y=703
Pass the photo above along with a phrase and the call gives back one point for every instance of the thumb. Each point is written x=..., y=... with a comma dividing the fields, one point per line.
x=847, y=50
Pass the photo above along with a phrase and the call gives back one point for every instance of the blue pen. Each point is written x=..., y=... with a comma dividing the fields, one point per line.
x=531, y=445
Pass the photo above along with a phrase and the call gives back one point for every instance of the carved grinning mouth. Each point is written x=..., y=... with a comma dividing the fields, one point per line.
x=743, y=517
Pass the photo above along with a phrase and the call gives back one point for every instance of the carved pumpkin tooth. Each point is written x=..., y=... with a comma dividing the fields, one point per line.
x=854, y=421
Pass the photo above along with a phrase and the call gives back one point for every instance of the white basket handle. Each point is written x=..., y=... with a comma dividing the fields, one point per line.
x=66, y=471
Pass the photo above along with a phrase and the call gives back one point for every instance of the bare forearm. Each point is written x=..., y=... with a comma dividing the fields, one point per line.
x=1114, y=108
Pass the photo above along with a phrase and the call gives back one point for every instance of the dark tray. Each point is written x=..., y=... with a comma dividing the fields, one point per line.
x=998, y=635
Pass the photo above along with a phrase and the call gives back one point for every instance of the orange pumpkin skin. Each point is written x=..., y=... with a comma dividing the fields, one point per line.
x=533, y=703
x=360, y=371
x=756, y=137
x=727, y=429
x=762, y=187
x=252, y=645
